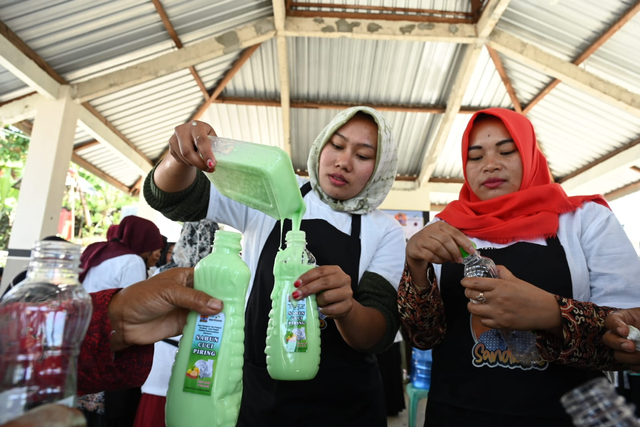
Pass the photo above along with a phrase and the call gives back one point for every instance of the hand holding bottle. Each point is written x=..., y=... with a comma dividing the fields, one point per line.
x=189, y=148
x=332, y=288
x=157, y=308
x=616, y=336
x=189, y=145
x=436, y=243
x=512, y=303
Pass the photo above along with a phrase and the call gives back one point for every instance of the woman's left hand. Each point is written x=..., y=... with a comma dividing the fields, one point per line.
x=512, y=303
x=332, y=287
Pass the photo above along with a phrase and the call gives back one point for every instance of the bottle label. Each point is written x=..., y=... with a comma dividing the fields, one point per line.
x=205, y=348
x=295, y=339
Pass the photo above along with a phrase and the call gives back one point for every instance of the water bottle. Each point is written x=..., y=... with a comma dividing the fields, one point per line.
x=293, y=332
x=522, y=344
x=421, y=368
x=205, y=388
x=43, y=320
x=597, y=404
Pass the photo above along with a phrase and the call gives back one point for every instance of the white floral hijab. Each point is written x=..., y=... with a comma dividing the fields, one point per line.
x=384, y=173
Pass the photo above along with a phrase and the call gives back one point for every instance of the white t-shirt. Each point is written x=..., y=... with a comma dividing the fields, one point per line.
x=118, y=272
x=604, y=266
x=381, y=236
x=164, y=355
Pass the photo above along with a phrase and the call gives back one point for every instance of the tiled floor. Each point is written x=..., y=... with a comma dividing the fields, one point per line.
x=402, y=420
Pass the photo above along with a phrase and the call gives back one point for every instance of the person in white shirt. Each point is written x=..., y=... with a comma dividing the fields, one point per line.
x=122, y=260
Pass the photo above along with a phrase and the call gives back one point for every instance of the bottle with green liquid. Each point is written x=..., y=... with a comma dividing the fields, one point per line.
x=293, y=333
x=205, y=388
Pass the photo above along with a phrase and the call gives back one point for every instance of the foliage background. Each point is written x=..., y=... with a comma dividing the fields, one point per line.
x=91, y=223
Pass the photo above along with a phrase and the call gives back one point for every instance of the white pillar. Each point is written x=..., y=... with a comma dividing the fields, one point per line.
x=168, y=228
x=43, y=183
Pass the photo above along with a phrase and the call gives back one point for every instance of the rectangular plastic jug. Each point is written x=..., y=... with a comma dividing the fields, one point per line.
x=258, y=176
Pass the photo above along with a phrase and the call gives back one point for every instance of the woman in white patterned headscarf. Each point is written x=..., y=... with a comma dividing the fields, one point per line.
x=359, y=250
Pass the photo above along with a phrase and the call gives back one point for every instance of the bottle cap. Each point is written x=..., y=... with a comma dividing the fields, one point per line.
x=465, y=253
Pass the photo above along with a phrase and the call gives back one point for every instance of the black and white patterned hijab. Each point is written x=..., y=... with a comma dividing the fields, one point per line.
x=194, y=244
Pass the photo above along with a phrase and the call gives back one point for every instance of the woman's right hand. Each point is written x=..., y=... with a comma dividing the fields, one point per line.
x=437, y=243
x=190, y=146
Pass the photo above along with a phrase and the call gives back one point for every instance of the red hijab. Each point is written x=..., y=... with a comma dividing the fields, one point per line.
x=133, y=236
x=531, y=212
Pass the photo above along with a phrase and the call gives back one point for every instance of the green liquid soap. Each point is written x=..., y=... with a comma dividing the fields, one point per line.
x=293, y=333
x=258, y=176
x=205, y=388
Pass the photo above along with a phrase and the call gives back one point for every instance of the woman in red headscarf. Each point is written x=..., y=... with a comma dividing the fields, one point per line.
x=122, y=260
x=558, y=255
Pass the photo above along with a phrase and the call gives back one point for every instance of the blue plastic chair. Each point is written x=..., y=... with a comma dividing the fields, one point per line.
x=415, y=396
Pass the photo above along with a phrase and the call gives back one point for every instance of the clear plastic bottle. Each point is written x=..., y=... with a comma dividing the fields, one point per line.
x=205, y=388
x=521, y=343
x=597, y=404
x=42, y=324
x=293, y=333
x=421, y=361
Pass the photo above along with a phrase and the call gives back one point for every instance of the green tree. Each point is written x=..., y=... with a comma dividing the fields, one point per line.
x=95, y=204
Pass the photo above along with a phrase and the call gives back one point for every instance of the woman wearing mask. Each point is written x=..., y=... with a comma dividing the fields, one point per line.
x=352, y=166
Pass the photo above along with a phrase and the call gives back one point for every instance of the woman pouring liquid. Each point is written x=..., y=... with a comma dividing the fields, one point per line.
x=359, y=250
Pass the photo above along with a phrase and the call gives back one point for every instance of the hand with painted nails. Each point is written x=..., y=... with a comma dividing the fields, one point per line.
x=437, y=243
x=157, y=308
x=189, y=150
x=617, y=336
x=332, y=288
x=190, y=145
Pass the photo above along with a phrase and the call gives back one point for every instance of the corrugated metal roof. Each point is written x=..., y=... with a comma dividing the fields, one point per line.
x=608, y=183
x=388, y=72
x=486, y=87
x=449, y=163
x=104, y=159
x=456, y=5
x=562, y=27
x=262, y=125
x=259, y=77
x=618, y=60
x=527, y=82
x=575, y=129
x=146, y=114
x=86, y=38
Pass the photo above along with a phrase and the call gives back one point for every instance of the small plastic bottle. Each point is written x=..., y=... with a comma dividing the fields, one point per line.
x=205, y=388
x=521, y=343
x=421, y=368
x=293, y=333
x=42, y=324
x=597, y=404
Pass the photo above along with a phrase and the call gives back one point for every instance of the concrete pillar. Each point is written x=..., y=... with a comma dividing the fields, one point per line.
x=43, y=183
x=168, y=228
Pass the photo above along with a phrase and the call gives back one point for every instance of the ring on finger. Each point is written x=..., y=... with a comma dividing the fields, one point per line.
x=480, y=298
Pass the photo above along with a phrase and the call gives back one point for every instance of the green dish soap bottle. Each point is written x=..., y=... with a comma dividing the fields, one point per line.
x=293, y=333
x=205, y=388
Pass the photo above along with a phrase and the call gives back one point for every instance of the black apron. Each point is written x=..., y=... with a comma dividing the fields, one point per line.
x=348, y=389
x=471, y=384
